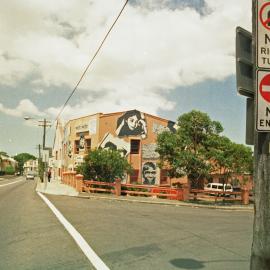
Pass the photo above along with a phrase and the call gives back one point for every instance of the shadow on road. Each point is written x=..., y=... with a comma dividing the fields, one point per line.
x=187, y=263
x=194, y=264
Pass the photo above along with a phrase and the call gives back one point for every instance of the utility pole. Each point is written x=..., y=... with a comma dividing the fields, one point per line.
x=260, y=252
x=253, y=81
x=44, y=123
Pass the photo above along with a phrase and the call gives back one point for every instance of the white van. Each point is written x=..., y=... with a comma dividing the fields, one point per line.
x=219, y=187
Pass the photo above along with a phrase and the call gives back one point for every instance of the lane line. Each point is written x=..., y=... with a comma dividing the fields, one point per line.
x=11, y=183
x=86, y=249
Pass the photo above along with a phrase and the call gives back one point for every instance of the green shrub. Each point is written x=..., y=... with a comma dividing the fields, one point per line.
x=9, y=170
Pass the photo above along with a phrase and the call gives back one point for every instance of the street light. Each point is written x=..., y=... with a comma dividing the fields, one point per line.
x=42, y=123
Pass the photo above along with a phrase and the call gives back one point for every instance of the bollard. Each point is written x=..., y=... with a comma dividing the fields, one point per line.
x=79, y=182
x=117, y=187
x=245, y=195
x=186, y=191
x=73, y=179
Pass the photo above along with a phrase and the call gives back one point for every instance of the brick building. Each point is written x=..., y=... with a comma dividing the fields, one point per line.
x=132, y=132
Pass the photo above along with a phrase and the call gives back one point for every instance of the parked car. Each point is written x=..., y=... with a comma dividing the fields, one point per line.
x=30, y=176
x=218, y=187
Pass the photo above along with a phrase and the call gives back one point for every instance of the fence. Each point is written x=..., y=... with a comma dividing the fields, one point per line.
x=181, y=194
x=200, y=194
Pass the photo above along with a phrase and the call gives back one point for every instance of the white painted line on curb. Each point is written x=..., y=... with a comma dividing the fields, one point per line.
x=86, y=249
x=11, y=183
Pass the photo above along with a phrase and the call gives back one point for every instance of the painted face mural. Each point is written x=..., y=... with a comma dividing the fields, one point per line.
x=149, y=173
x=111, y=142
x=131, y=123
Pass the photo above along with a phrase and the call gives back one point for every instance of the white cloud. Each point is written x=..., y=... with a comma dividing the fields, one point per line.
x=24, y=108
x=38, y=91
x=149, y=52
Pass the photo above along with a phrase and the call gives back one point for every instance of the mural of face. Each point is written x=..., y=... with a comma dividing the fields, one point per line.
x=149, y=173
x=111, y=142
x=132, y=123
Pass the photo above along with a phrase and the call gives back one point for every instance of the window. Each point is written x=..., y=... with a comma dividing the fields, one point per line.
x=135, y=146
x=56, y=155
x=134, y=176
x=88, y=145
x=76, y=147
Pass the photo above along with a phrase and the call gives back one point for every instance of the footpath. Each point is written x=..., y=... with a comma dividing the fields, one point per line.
x=56, y=188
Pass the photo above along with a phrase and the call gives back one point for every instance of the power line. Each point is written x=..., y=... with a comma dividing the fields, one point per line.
x=87, y=67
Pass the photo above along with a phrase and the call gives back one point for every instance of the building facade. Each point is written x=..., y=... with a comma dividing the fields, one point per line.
x=6, y=161
x=31, y=166
x=133, y=132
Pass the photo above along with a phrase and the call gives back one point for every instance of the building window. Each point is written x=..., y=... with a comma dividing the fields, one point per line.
x=76, y=146
x=56, y=155
x=134, y=177
x=135, y=146
x=88, y=145
x=163, y=177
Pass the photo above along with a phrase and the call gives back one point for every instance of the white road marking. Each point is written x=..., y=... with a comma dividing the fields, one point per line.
x=11, y=183
x=86, y=249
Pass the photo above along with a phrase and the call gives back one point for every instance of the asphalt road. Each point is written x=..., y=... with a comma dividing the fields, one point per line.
x=125, y=235
x=30, y=236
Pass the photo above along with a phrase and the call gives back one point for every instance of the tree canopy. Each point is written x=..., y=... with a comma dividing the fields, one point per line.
x=197, y=149
x=104, y=165
x=22, y=158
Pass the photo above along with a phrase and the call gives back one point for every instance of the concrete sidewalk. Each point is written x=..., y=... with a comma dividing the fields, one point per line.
x=55, y=188
x=152, y=200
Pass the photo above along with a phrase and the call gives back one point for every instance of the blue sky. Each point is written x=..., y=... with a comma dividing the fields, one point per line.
x=163, y=57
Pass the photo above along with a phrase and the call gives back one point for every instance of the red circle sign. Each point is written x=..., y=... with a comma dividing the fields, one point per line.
x=265, y=22
x=265, y=88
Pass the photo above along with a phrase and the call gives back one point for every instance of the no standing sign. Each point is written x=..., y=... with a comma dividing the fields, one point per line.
x=263, y=66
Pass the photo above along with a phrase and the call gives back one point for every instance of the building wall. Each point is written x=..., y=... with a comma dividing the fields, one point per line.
x=123, y=131
x=31, y=166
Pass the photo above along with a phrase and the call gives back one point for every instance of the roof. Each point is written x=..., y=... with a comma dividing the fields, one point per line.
x=115, y=113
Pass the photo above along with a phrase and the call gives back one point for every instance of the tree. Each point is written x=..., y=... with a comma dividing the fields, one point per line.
x=9, y=170
x=228, y=157
x=185, y=152
x=197, y=149
x=2, y=153
x=22, y=158
x=104, y=165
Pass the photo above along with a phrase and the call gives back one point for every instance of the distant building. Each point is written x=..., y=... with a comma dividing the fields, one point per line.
x=133, y=132
x=6, y=161
x=30, y=166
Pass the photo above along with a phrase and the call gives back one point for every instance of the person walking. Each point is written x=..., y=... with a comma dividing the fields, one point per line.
x=49, y=175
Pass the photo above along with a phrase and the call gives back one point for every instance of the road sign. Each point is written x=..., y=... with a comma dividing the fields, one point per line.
x=244, y=63
x=263, y=34
x=263, y=101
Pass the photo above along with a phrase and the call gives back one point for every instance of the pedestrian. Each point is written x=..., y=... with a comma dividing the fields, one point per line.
x=49, y=176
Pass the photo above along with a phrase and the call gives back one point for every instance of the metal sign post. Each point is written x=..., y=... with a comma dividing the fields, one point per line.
x=260, y=252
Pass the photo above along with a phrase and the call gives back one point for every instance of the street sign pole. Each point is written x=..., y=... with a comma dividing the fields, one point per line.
x=260, y=252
